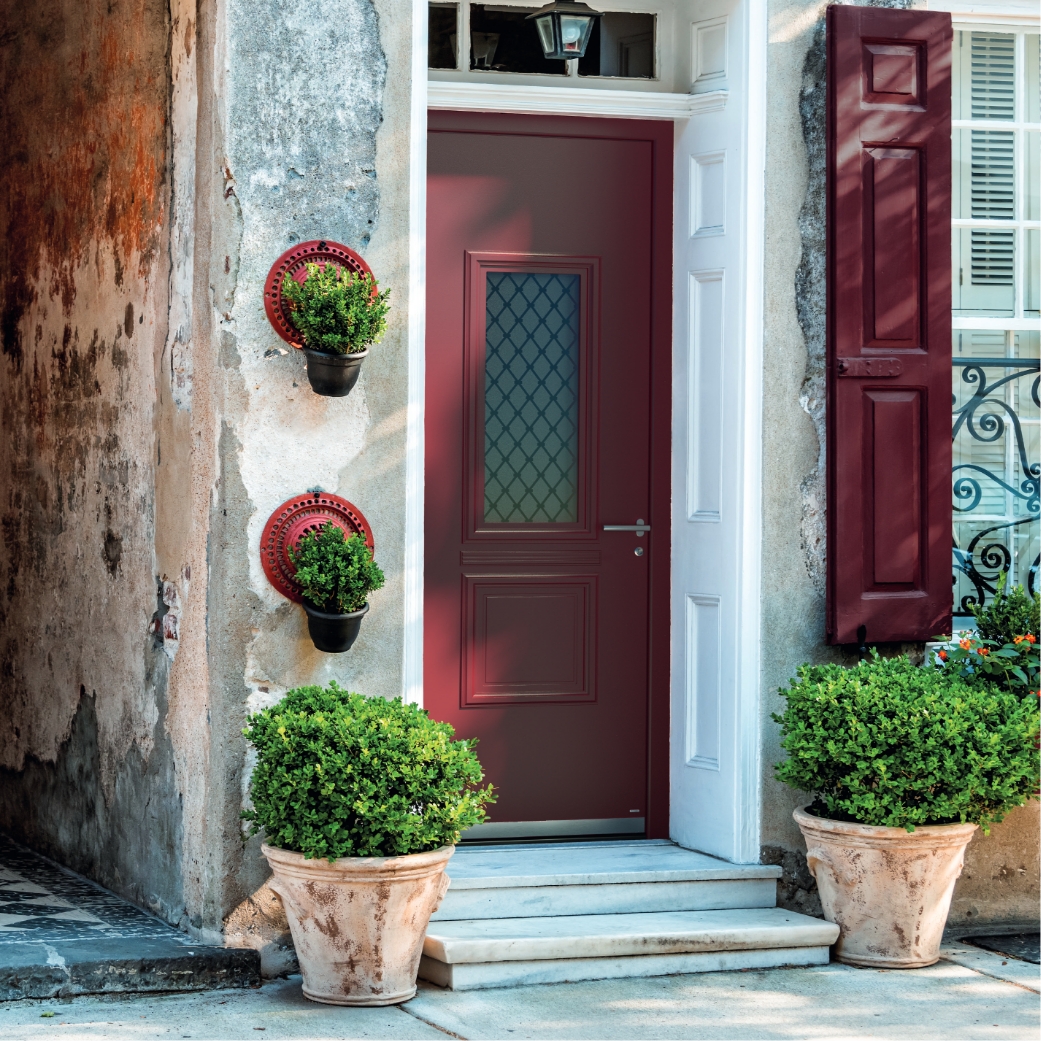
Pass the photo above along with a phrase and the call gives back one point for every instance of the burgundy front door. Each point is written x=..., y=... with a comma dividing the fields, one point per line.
x=547, y=407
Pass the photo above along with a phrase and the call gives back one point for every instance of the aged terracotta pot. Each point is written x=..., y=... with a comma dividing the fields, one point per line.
x=358, y=923
x=888, y=890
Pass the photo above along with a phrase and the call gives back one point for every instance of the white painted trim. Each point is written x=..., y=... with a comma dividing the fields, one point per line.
x=747, y=812
x=998, y=324
x=976, y=13
x=415, y=451
x=572, y=101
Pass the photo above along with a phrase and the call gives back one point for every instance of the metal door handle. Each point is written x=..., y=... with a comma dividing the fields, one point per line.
x=639, y=527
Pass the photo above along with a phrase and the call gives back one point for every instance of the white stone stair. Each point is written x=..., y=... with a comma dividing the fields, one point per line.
x=575, y=911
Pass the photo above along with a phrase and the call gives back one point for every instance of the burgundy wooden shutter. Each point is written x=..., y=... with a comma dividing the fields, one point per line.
x=889, y=324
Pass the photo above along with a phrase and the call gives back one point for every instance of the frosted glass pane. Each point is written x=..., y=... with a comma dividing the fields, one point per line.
x=531, y=398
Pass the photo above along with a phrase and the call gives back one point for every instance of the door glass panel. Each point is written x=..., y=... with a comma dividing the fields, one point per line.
x=531, y=397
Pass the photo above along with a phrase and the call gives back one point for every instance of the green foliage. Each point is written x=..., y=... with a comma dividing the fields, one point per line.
x=336, y=310
x=888, y=743
x=342, y=775
x=1008, y=615
x=336, y=573
x=1014, y=666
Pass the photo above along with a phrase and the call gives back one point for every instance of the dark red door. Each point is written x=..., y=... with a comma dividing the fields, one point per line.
x=544, y=302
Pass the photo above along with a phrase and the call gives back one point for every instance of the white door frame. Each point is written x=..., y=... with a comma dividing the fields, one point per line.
x=716, y=524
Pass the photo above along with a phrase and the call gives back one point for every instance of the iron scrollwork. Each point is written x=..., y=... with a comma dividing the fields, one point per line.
x=987, y=417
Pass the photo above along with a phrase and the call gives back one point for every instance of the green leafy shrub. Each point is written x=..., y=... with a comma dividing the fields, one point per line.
x=1015, y=665
x=337, y=311
x=336, y=573
x=888, y=743
x=342, y=775
x=1008, y=615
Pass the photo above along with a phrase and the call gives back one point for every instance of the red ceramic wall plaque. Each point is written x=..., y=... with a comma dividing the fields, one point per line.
x=293, y=519
x=294, y=263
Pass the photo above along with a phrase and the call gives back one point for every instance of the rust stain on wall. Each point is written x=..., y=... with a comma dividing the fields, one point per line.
x=84, y=101
x=84, y=127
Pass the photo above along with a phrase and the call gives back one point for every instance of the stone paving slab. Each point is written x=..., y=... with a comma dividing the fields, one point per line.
x=1012, y=970
x=817, y=1004
x=61, y=934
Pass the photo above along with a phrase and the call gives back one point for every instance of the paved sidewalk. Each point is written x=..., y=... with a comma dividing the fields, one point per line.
x=947, y=1001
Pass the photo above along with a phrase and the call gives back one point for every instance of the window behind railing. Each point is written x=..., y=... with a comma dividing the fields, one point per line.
x=996, y=241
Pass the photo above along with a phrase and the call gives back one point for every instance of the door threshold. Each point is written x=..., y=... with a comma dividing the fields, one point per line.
x=605, y=828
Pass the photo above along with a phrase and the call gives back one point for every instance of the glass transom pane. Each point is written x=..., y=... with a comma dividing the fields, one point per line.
x=531, y=397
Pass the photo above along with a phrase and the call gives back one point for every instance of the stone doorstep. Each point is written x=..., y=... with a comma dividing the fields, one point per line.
x=488, y=975
x=622, y=935
x=592, y=863
x=125, y=965
x=598, y=878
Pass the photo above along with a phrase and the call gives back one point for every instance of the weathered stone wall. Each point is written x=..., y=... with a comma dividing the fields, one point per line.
x=313, y=130
x=1000, y=882
x=161, y=157
x=87, y=771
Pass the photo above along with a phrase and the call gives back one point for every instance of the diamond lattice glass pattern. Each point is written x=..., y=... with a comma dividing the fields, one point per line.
x=531, y=398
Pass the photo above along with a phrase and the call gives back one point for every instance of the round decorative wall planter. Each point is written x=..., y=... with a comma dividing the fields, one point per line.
x=294, y=263
x=303, y=513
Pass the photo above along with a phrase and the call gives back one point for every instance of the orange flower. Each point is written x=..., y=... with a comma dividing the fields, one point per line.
x=983, y=650
x=942, y=655
x=1031, y=638
x=1018, y=639
x=965, y=644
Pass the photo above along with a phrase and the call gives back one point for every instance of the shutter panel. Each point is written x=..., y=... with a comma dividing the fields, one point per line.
x=889, y=324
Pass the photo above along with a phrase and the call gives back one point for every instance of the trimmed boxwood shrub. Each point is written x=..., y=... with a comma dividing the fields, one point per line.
x=888, y=743
x=335, y=573
x=342, y=775
x=337, y=311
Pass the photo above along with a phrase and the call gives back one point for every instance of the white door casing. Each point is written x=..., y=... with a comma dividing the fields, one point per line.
x=717, y=341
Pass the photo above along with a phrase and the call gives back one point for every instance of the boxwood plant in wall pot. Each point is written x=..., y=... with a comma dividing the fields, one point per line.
x=361, y=801
x=906, y=762
x=336, y=574
x=339, y=313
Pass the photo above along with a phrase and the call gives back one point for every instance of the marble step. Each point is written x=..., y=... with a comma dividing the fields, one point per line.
x=470, y=955
x=584, y=878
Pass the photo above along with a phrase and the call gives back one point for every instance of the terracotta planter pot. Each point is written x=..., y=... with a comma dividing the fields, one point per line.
x=358, y=923
x=887, y=889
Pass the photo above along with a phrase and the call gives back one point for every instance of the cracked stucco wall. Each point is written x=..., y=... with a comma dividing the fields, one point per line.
x=313, y=128
x=162, y=156
x=87, y=767
x=1000, y=881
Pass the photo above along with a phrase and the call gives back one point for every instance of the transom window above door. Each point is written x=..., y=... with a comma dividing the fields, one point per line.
x=649, y=46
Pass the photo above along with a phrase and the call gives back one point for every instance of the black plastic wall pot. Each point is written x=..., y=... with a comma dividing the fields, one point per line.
x=333, y=375
x=333, y=633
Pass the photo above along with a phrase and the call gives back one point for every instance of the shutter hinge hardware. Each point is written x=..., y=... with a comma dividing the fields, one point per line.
x=870, y=368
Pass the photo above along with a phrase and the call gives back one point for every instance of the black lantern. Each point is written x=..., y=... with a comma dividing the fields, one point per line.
x=564, y=28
